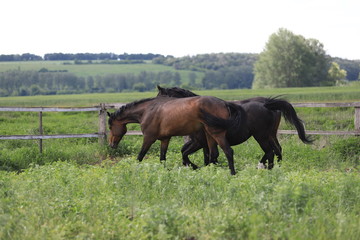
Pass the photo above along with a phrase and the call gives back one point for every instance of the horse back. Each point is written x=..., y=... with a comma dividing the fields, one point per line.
x=260, y=120
x=171, y=117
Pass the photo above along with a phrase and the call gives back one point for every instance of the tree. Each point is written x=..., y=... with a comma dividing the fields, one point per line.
x=177, y=79
x=3, y=93
x=290, y=60
x=192, y=79
x=140, y=87
x=34, y=90
x=336, y=73
x=352, y=67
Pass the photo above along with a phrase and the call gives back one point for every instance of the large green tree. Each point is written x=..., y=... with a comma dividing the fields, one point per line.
x=290, y=60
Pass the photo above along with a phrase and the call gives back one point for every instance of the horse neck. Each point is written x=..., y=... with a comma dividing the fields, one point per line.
x=135, y=113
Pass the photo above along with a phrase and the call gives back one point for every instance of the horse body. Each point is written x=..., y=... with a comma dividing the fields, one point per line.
x=162, y=118
x=262, y=121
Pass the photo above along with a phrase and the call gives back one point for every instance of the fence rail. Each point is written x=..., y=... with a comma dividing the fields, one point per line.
x=102, y=108
x=49, y=109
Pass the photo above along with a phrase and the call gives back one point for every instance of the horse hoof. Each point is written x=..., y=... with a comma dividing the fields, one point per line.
x=195, y=167
x=261, y=166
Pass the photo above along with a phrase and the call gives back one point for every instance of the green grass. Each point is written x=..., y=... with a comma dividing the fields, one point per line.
x=76, y=100
x=130, y=200
x=84, y=70
x=78, y=189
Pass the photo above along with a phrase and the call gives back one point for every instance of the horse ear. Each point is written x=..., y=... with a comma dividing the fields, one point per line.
x=108, y=114
x=159, y=88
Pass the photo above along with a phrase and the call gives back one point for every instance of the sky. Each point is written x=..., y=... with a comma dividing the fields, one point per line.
x=174, y=27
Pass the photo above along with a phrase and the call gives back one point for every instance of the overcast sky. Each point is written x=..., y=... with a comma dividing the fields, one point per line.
x=174, y=27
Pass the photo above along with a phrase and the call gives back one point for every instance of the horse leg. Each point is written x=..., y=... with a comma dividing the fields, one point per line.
x=270, y=157
x=147, y=142
x=276, y=144
x=216, y=155
x=189, y=148
x=271, y=153
x=277, y=149
x=262, y=163
x=268, y=149
x=206, y=156
x=211, y=146
x=201, y=142
x=229, y=153
x=220, y=139
x=163, y=148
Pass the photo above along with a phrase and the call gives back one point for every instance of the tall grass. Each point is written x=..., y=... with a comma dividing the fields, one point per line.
x=131, y=200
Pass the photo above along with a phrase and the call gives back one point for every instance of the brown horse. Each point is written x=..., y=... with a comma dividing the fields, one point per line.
x=263, y=117
x=163, y=117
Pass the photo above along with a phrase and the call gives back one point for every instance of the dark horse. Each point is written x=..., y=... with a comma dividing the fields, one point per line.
x=163, y=117
x=263, y=117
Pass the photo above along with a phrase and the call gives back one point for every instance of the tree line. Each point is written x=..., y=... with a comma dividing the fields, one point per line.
x=19, y=57
x=288, y=60
x=77, y=56
x=222, y=70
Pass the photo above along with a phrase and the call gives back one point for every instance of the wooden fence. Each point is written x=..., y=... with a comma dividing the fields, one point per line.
x=102, y=108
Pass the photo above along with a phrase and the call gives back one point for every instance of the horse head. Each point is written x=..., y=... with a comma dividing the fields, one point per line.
x=117, y=130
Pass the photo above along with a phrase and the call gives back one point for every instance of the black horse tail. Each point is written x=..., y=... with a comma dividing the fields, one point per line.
x=290, y=116
x=235, y=122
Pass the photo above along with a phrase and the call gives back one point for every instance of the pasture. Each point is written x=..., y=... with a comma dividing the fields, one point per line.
x=78, y=189
x=83, y=70
x=95, y=69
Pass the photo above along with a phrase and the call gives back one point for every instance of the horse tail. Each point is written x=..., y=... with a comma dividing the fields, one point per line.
x=235, y=122
x=290, y=116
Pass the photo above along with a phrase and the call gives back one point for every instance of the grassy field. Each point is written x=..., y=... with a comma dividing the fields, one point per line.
x=85, y=70
x=78, y=189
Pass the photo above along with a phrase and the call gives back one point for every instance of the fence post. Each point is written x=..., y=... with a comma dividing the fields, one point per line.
x=102, y=124
x=357, y=118
x=40, y=132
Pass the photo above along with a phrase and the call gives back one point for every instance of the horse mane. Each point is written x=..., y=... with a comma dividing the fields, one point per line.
x=130, y=105
x=123, y=108
x=175, y=92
